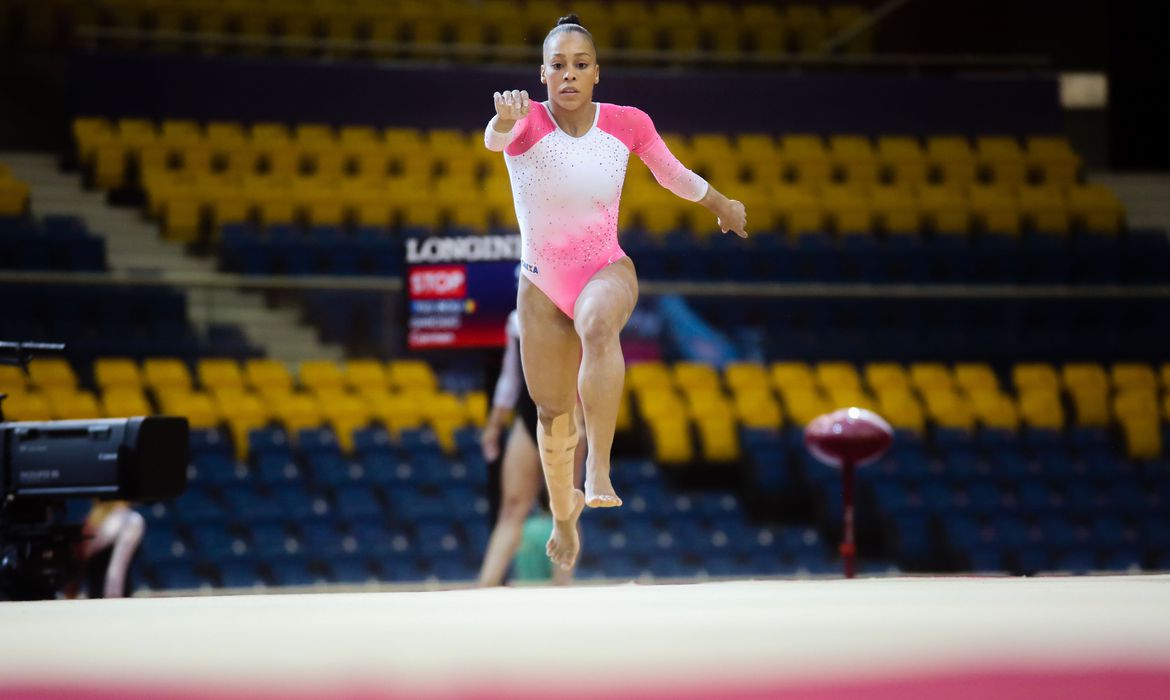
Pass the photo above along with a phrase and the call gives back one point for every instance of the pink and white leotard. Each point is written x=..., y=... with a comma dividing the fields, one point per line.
x=567, y=191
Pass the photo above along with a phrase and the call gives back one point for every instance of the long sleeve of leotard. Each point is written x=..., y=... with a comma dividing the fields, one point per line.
x=508, y=385
x=667, y=169
x=496, y=141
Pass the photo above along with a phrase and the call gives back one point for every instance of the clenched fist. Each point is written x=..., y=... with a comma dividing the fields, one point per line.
x=511, y=106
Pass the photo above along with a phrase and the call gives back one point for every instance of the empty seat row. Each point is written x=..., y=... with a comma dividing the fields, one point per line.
x=409, y=29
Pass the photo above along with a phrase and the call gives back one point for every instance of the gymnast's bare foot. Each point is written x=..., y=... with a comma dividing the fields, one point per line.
x=599, y=491
x=564, y=545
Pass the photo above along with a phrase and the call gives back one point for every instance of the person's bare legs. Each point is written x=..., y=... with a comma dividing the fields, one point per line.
x=601, y=311
x=519, y=481
x=123, y=528
x=549, y=352
x=563, y=577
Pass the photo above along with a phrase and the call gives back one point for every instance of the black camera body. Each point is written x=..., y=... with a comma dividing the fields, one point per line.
x=44, y=463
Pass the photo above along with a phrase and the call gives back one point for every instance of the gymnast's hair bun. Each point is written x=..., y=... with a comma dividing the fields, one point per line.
x=569, y=19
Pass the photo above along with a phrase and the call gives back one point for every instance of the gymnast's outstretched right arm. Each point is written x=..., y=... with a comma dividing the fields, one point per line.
x=511, y=107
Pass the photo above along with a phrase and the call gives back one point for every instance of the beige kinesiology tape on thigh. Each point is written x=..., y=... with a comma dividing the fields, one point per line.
x=557, y=447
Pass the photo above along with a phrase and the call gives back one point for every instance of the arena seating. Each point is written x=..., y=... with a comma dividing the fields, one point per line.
x=1050, y=469
x=59, y=243
x=363, y=27
x=312, y=174
x=107, y=320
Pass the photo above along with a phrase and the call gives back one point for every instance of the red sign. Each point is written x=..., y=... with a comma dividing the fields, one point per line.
x=438, y=282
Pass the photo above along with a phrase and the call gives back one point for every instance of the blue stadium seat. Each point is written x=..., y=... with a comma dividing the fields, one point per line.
x=350, y=570
x=331, y=469
x=197, y=506
x=216, y=542
x=985, y=558
x=216, y=469
x=278, y=468
x=451, y=567
x=621, y=567
x=271, y=541
x=1120, y=559
x=253, y=505
x=373, y=440
x=325, y=540
x=312, y=441
x=465, y=504
x=437, y=537
x=294, y=572
x=269, y=440
x=181, y=576
x=410, y=505
x=162, y=544
x=1031, y=560
x=1076, y=561
x=240, y=574
x=358, y=503
x=300, y=504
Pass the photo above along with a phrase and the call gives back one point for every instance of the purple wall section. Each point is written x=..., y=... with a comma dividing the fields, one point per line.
x=257, y=89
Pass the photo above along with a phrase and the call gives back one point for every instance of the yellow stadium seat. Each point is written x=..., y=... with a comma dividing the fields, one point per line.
x=1095, y=208
x=297, y=412
x=27, y=406
x=929, y=377
x=1053, y=160
x=1143, y=438
x=198, y=408
x=74, y=405
x=116, y=372
x=901, y=409
x=840, y=375
x=1090, y=405
x=718, y=438
x=262, y=372
x=162, y=374
x=854, y=159
x=945, y=209
x=847, y=397
x=951, y=160
x=124, y=401
x=805, y=159
x=721, y=24
x=758, y=409
x=746, y=376
x=1133, y=375
x=902, y=160
x=671, y=441
x=792, y=375
x=1135, y=403
x=693, y=375
x=50, y=373
x=766, y=28
x=396, y=412
x=364, y=375
x=975, y=377
x=956, y=416
x=1035, y=376
x=1084, y=374
x=886, y=376
x=996, y=209
x=1001, y=160
x=648, y=375
x=14, y=197
x=896, y=210
x=804, y=405
x=1041, y=408
x=321, y=376
x=475, y=407
x=1164, y=375
x=999, y=413
x=412, y=375
x=660, y=403
x=219, y=372
x=849, y=209
x=12, y=380
x=808, y=25
x=1045, y=209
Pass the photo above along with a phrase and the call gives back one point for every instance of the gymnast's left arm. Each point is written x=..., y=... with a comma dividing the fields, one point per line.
x=674, y=176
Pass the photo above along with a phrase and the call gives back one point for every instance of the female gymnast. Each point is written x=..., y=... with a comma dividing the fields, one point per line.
x=111, y=534
x=567, y=161
x=519, y=470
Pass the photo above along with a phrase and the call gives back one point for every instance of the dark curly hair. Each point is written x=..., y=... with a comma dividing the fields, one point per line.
x=570, y=23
